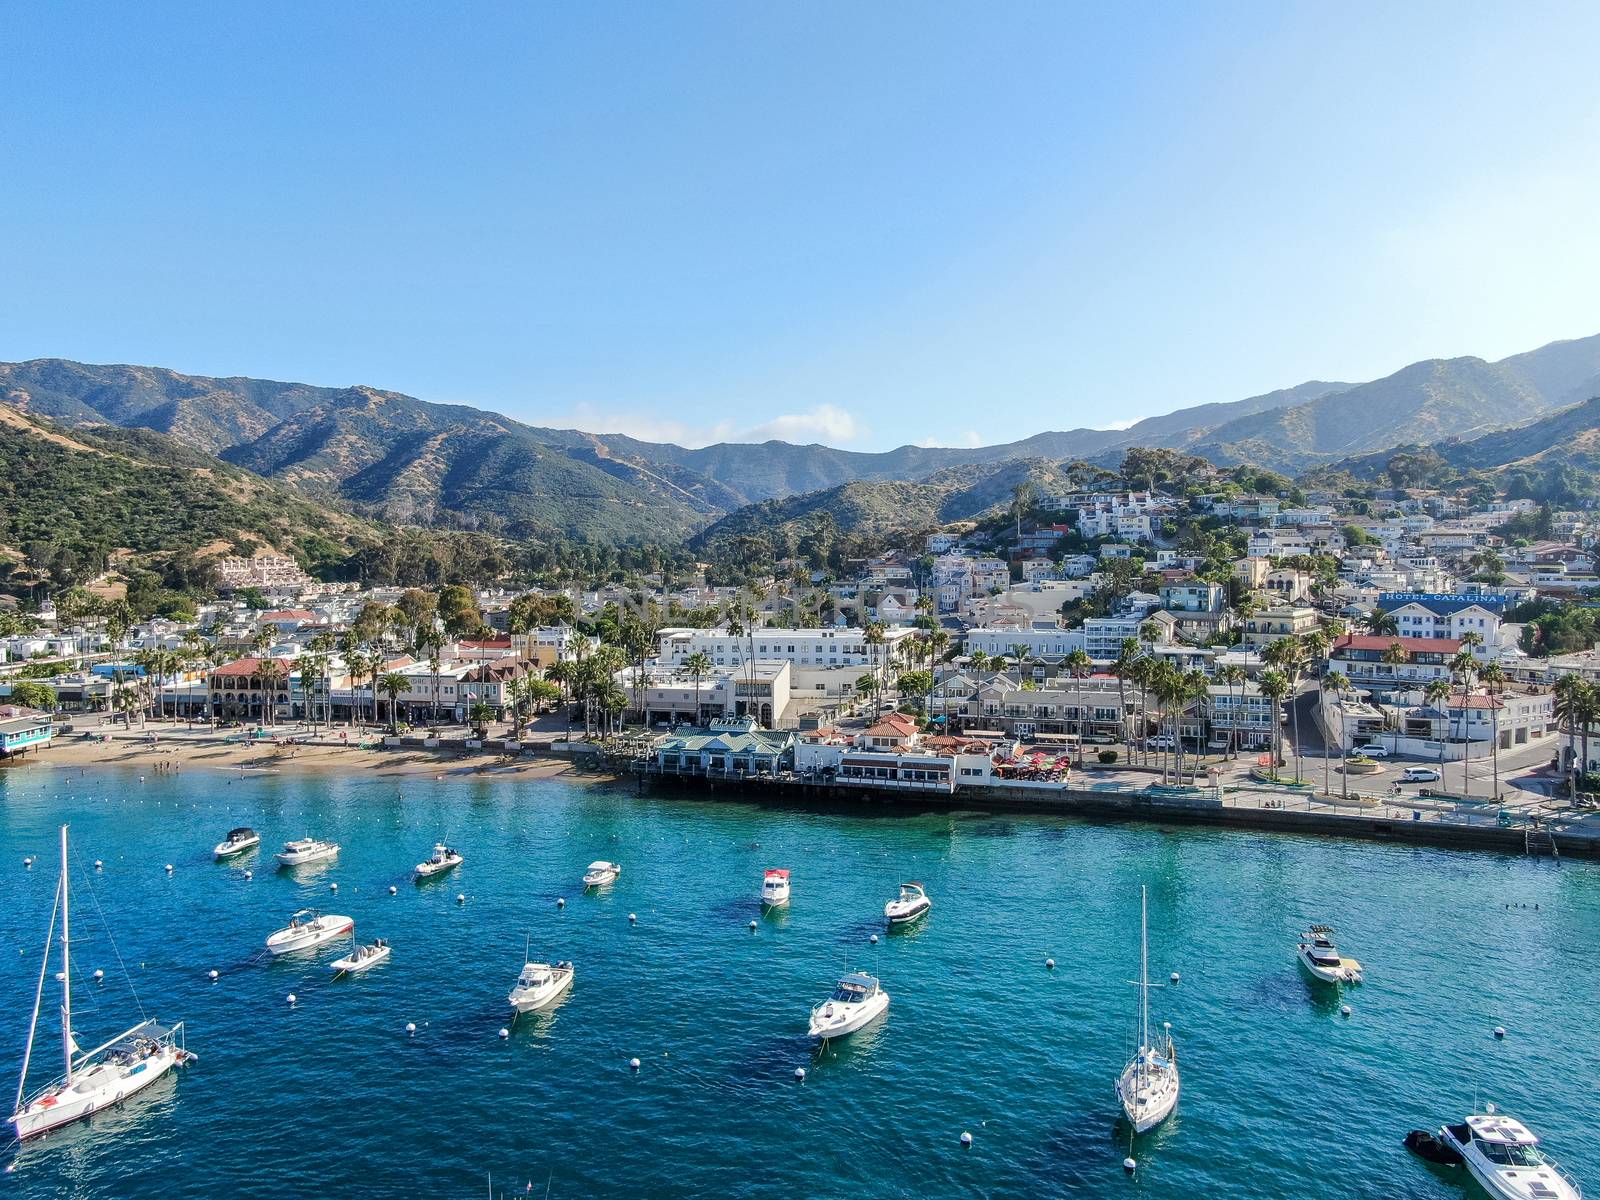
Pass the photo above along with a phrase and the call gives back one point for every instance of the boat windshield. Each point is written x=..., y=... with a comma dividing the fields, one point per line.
x=850, y=993
x=1505, y=1154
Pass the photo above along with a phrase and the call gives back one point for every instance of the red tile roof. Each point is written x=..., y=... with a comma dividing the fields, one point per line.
x=1411, y=645
x=247, y=666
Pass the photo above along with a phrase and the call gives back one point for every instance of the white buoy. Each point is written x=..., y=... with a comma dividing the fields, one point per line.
x=169, y=868
x=1129, y=1164
x=504, y=1032
x=461, y=897
x=291, y=997
x=1175, y=977
x=966, y=1138
x=874, y=939
x=211, y=975
x=632, y=918
x=634, y=1063
x=1344, y=1010
x=99, y=975
x=752, y=926
x=1499, y=1031
x=560, y=902
x=411, y=1028
x=98, y=865
x=1049, y=964
x=393, y=891
x=249, y=874
x=333, y=887
x=800, y=1074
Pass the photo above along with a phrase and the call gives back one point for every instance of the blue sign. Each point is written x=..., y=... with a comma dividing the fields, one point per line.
x=1440, y=600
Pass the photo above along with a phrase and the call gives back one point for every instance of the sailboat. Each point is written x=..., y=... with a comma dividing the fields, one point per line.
x=1148, y=1085
x=95, y=1079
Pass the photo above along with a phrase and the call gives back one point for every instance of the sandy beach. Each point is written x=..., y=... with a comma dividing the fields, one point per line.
x=185, y=751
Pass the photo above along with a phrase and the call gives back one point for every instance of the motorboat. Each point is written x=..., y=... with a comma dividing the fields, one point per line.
x=601, y=873
x=309, y=928
x=98, y=1078
x=540, y=985
x=1321, y=958
x=775, y=888
x=361, y=958
x=444, y=859
x=856, y=1002
x=912, y=905
x=237, y=842
x=307, y=850
x=1148, y=1085
x=1503, y=1155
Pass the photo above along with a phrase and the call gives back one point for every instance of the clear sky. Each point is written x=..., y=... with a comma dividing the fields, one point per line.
x=858, y=223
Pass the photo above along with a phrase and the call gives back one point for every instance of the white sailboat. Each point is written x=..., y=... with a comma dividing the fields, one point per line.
x=106, y=1075
x=1148, y=1085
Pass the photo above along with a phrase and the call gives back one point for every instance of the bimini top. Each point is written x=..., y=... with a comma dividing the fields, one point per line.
x=1507, y=1131
x=866, y=982
x=239, y=834
x=777, y=872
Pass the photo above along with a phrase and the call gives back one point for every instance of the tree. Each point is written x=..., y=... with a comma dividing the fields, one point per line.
x=1569, y=691
x=698, y=665
x=30, y=693
x=1335, y=683
x=1464, y=666
x=916, y=684
x=1123, y=668
x=1437, y=693
x=1275, y=686
x=269, y=673
x=392, y=684
x=1080, y=666
x=1494, y=678
x=480, y=714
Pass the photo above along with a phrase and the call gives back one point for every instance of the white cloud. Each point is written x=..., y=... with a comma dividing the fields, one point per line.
x=971, y=438
x=826, y=423
x=1119, y=425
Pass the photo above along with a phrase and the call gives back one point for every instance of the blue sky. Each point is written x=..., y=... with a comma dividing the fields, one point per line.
x=863, y=224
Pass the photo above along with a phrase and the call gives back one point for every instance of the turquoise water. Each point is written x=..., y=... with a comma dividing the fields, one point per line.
x=1282, y=1097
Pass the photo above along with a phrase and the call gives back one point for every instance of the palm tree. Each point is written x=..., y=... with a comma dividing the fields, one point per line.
x=376, y=661
x=263, y=640
x=1382, y=624
x=697, y=664
x=1275, y=686
x=1465, y=666
x=1336, y=684
x=1233, y=677
x=1568, y=690
x=312, y=665
x=391, y=684
x=267, y=673
x=1143, y=674
x=1393, y=655
x=1436, y=693
x=1494, y=678
x=1079, y=665
x=1287, y=654
x=1122, y=668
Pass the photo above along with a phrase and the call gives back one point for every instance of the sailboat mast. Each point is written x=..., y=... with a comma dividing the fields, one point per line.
x=38, y=998
x=66, y=962
x=1144, y=973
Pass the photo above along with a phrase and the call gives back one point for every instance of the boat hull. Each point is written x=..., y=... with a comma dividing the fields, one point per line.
x=905, y=914
x=354, y=966
x=1334, y=975
x=543, y=998
x=1147, y=1107
x=309, y=939
x=40, y=1117
x=428, y=870
x=301, y=858
x=230, y=849
x=825, y=1027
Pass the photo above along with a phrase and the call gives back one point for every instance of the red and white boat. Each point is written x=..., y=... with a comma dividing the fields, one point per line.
x=775, y=888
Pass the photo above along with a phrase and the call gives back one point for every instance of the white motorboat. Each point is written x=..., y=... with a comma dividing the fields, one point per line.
x=1321, y=958
x=1503, y=1155
x=361, y=958
x=540, y=985
x=856, y=1002
x=775, y=888
x=911, y=905
x=1148, y=1085
x=307, y=850
x=307, y=929
x=601, y=873
x=444, y=859
x=237, y=842
x=104, y=1076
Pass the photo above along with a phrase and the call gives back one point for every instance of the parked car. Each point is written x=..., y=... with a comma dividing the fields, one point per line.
x=1421, y=775
x=1371, y=750
x=1159, y=742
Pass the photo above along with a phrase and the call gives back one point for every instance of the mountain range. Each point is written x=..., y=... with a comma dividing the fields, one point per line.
x=407, y=460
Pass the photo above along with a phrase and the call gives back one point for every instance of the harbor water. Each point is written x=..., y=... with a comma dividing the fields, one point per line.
x=1283, y=1096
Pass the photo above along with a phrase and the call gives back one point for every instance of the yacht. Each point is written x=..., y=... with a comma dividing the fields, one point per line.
x=308, y=928
x=1148, y=1085
x=540, y=985
x=444, y=859
x=361, y=958
x=307, y=850
x=98, y=1078
x=857, y=1001
x=237, y=842
x=912, y=905
x=1504, y=1157
x=1321, y=958
x=601, y=873
x=775, y=888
